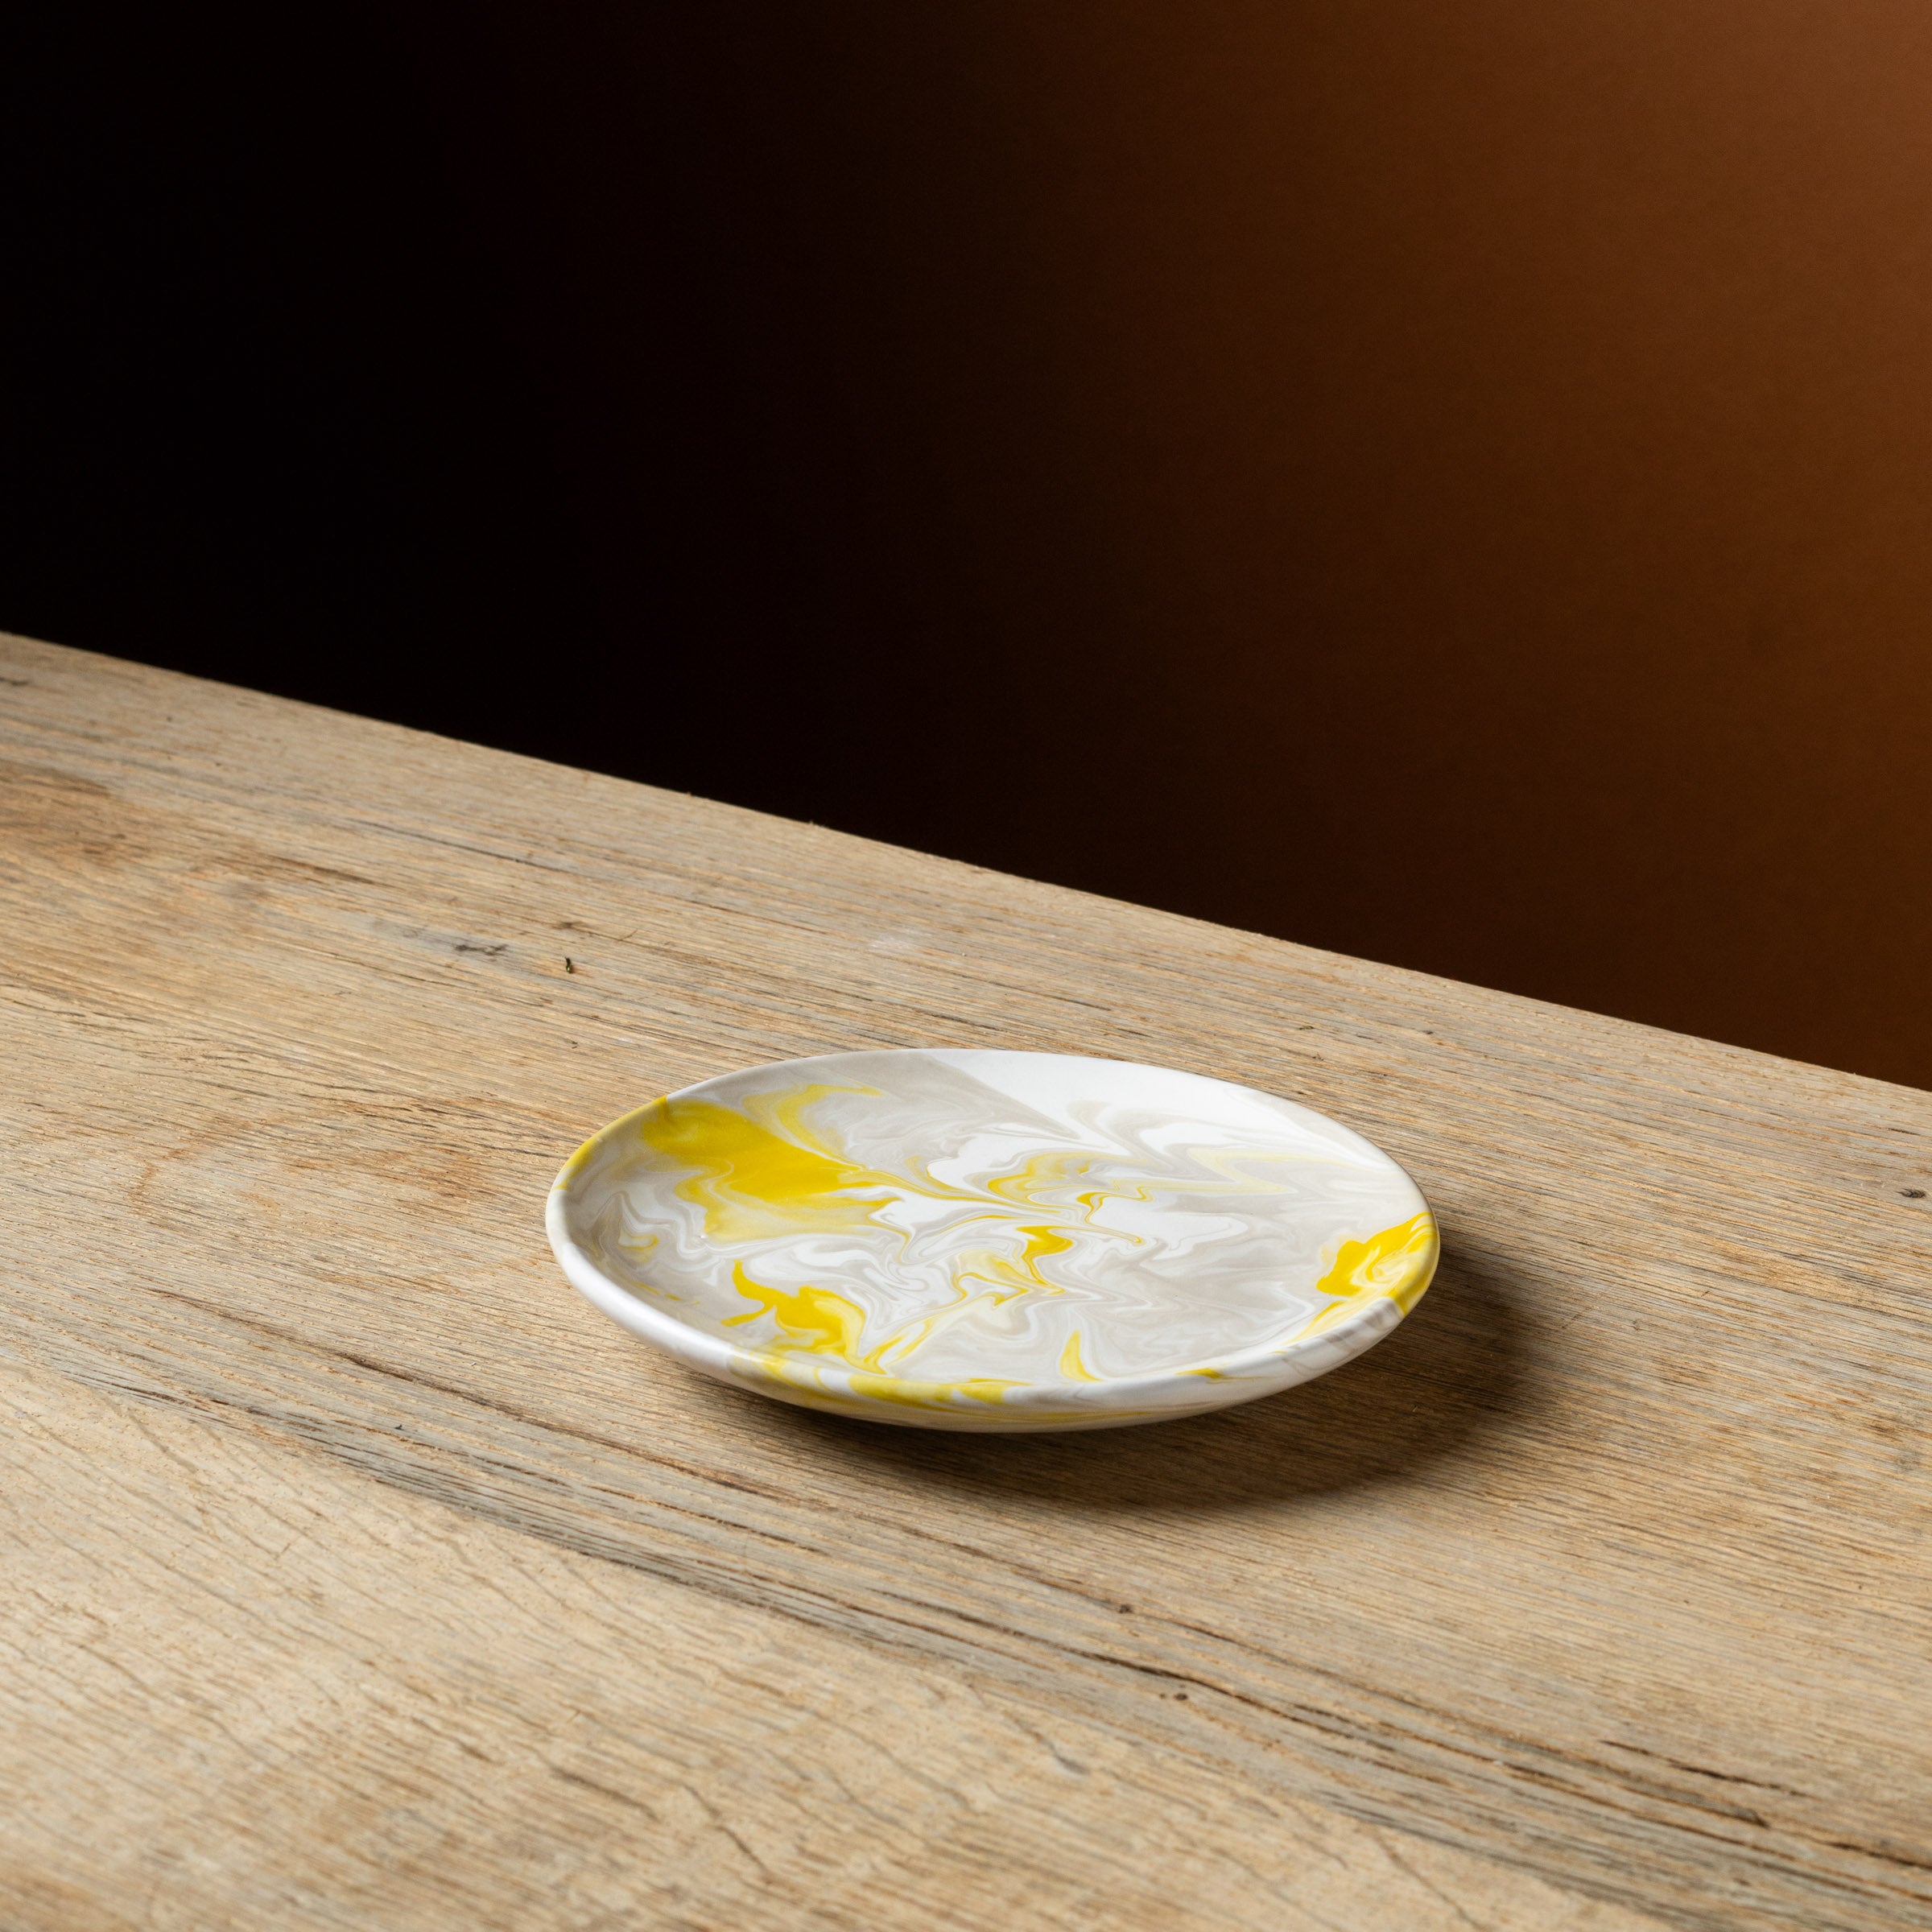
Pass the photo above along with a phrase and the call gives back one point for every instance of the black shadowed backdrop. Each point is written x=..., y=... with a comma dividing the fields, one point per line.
x=1448, y=483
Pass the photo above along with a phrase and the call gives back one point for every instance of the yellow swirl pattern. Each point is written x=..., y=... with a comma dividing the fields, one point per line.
x=1398, y=1263
x=752, y=1179
x=924, y=1237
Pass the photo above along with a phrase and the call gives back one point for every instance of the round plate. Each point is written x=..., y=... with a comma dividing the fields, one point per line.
x=972, y=1239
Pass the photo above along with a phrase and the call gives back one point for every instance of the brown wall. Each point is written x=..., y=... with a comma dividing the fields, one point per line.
x=1449, y=482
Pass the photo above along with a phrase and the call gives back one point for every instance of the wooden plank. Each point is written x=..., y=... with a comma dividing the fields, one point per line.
x=326, y=1704
x=1616, y=1553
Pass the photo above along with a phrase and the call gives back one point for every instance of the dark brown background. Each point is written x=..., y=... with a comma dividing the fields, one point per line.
x=1450, y=483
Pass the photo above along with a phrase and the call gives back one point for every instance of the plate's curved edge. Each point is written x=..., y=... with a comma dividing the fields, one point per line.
x=1243, y=1376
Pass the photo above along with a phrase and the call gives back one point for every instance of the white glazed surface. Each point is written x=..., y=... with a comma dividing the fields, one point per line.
x=963, y=1239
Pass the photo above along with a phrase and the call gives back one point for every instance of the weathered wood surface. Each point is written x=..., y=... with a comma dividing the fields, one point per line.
x=354, y=1573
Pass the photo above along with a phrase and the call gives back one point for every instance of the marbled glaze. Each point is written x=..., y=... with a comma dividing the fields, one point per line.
x=966, y=1239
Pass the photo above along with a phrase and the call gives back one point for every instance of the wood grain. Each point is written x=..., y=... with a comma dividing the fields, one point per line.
x=356, y=1573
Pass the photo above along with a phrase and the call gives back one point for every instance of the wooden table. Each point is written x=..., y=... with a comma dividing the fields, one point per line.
x=356, y=1574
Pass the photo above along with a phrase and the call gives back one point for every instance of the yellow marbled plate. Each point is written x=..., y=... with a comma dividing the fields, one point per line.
x=960, y=1239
